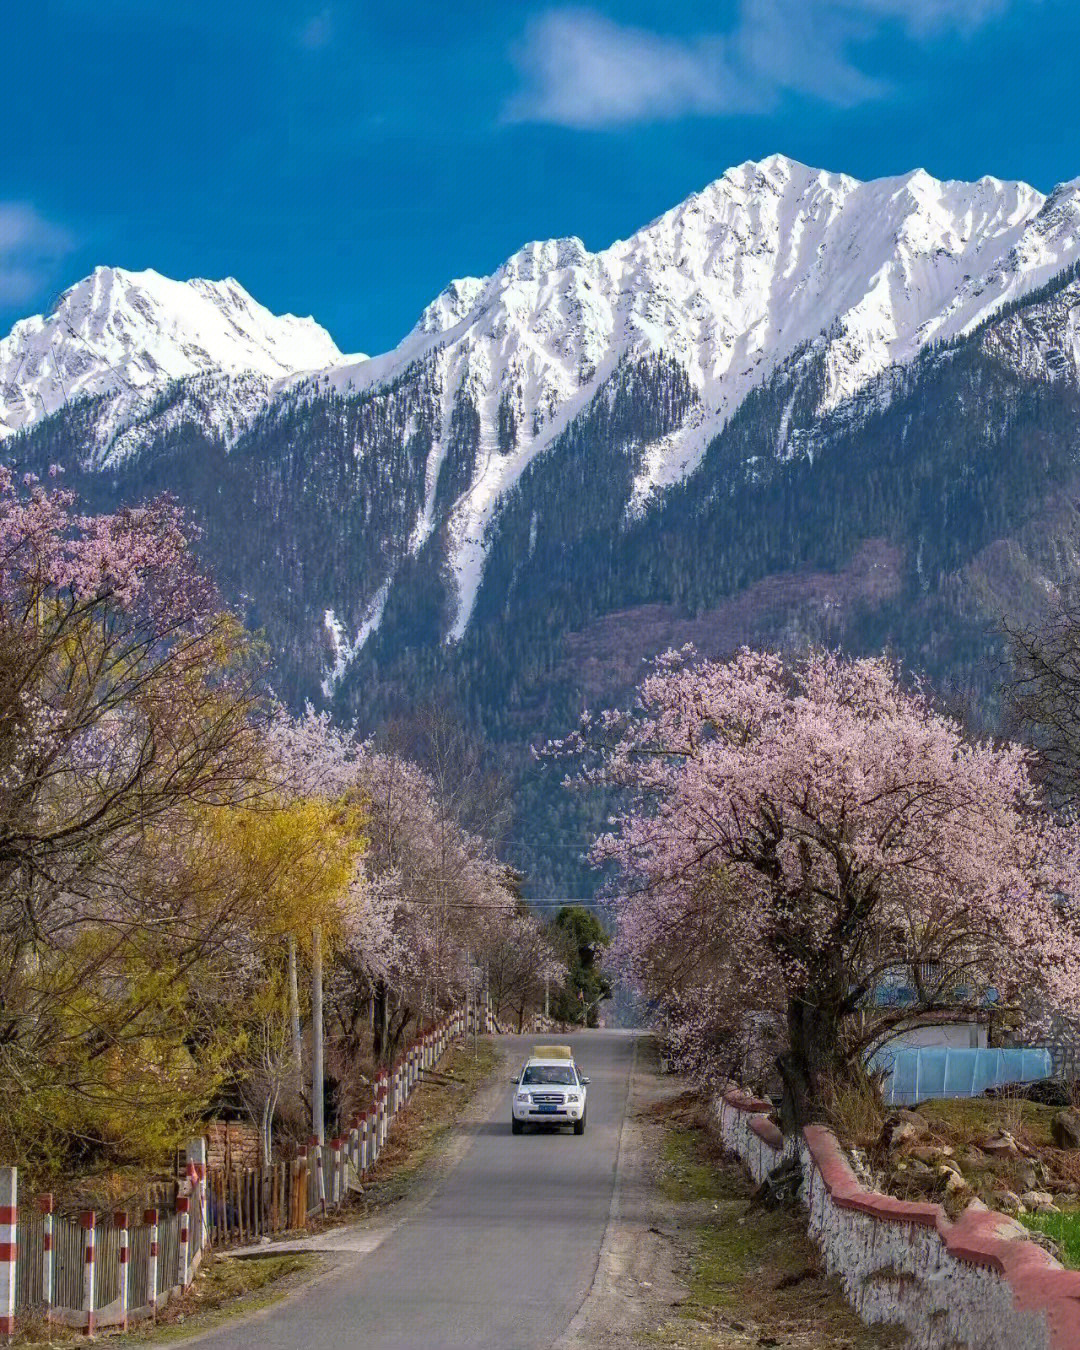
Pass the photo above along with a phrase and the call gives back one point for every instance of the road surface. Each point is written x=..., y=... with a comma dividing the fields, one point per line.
x=499, y=1258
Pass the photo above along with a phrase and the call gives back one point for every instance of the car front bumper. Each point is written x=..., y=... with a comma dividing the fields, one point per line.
x=571, y=1111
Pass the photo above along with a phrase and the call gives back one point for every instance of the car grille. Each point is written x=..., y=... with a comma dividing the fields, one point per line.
x=548, y=1099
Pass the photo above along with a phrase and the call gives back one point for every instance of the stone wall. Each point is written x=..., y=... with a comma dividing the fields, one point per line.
x=232, y=1143
x=976, y=1284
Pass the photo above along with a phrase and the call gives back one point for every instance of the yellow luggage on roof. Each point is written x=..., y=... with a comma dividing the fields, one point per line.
x=552, y=1052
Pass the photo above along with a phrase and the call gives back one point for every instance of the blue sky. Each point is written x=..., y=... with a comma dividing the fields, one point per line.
x=348, y=159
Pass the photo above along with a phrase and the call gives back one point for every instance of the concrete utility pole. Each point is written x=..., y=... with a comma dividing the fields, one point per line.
x=317, y=1127
x=294, y=1014
x=547, y=995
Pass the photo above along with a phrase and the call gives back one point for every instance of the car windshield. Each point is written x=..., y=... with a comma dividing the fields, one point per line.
x=547, y=1075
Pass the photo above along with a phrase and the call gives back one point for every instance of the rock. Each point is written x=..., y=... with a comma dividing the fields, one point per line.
x=1033, y=1199
x=1008, y=1201
x=947, y=1165
x=954, y=1182
x=1002, y=1145
x=903, y=1132
x=1065, y=1129
x=972, y=1157
x=915, y=1168
x=1047, y=1209
x=1027, y=1176
x=903, y=1127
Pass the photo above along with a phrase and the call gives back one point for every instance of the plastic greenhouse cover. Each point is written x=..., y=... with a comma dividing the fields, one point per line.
x=918, y=1072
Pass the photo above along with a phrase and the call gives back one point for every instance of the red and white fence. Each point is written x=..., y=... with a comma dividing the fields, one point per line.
x=90, y=1271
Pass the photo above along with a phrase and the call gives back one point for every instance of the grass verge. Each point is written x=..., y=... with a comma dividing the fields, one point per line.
x=1063, y=1229
x=754, y=1276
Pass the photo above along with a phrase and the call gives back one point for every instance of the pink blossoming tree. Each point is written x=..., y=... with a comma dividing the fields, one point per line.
x=797, y=835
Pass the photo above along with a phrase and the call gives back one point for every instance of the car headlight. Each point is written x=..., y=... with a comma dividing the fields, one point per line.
x=523, y=1097
x=573, y=1096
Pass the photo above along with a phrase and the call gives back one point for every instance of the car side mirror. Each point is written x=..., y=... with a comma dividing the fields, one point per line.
x=584, y=1082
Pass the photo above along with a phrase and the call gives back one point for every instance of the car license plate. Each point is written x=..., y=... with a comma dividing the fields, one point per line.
x=548, y=1106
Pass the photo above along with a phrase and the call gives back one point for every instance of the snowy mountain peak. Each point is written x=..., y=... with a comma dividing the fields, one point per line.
x=130, y=335
x=451, y=305
x=731, y=282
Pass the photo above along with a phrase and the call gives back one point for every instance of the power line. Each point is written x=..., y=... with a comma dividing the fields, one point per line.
x=584, y=902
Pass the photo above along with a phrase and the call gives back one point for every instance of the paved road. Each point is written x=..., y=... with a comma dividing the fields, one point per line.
x=502, y=1255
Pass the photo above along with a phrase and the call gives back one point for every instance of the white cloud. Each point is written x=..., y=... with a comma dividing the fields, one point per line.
x=30, y=248
x=581, y=69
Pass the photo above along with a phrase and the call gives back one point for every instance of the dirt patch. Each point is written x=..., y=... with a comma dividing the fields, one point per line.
x=688, y=1262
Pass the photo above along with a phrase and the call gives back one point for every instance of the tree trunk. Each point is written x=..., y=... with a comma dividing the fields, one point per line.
x=378, y=1035
x=811, y=1058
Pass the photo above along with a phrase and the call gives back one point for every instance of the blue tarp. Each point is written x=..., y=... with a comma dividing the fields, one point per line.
x=918, y=1072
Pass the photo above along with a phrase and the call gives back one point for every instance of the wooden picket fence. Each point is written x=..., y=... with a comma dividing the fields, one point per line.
x=90, y=1271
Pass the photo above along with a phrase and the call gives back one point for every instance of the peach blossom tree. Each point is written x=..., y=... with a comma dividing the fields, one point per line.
x=797, y=834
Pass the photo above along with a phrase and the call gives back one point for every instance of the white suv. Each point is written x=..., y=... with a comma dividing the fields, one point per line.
x=549, y=1090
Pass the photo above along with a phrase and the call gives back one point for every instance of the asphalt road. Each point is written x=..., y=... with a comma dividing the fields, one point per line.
x=502, y=1255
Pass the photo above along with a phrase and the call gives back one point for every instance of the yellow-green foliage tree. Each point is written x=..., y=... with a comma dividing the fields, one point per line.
x=149, y=862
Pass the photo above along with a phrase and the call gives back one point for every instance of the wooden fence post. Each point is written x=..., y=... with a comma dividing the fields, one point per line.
x=301, y=1187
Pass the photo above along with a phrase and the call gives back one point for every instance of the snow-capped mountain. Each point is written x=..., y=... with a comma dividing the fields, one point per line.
x=128, y=337
x=771, y=260
x=771, y=256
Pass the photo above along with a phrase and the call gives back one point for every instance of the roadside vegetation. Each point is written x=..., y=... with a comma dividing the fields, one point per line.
x=172, y=838
x=1063, y=1230
x=754, y=1277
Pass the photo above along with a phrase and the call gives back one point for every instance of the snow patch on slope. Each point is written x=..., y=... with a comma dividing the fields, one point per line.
x=345, y=649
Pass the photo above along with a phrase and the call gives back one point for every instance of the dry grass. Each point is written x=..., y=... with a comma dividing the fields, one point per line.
x=854, y=1110
x=967, y=1120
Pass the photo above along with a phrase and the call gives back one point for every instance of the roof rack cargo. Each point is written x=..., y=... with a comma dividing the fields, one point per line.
x=552, y=1052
